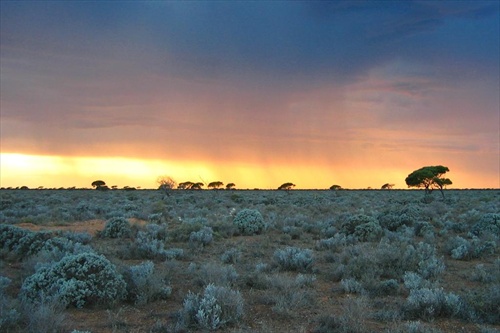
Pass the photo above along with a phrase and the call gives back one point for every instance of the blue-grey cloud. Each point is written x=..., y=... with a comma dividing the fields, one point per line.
x=336, y=40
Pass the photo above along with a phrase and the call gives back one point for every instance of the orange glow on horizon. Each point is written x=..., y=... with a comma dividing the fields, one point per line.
x=66, y=171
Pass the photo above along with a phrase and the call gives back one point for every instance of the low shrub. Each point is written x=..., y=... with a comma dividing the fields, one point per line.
x=348, y=227
x=462, y=249
x=231, y=256
x=79, y=280
x=9, y=314
x=216, y=308
x=202, y=237
x=143, y=285
x=485, y=303
x=488, y=224
x=428, y=304
x=368, y=232
x=117, y=227
x=249, y=222
x=221, y=275
x=294, y=259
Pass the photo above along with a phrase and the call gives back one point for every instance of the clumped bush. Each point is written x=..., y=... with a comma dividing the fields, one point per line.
x=348, y=227
x=202, y=237
x=9, y=315
x=351, y=286
x=231, y=256
x=143, y=285
x=484, y=303
x=21, y=241
x=117, y=227
x=221, y=275
x=10, y=236
x=488, y=224
x=368, y=232
x=428, y=304
x=216, y=308
x=150, y=243
x=334, y=243
x=289, y=295
x=79, y=280
x=294, y=259
x=462, y=249
x=249, y=222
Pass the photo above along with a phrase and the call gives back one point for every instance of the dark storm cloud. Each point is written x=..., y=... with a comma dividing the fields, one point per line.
x=313, y=40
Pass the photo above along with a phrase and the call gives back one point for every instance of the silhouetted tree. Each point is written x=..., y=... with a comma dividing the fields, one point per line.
x=387, y=186
x=430, y=178
x=286, y=186
x=335, y=187
x=197, y=186
x=215, y=185
x=185, y=185
x=230, y=186
x=166, y=184
x=100, y=185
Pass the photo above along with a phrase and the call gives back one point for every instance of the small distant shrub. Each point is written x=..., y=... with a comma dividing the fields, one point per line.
x=386, y=287
x=117, y=227
x=424, y=229
x=334, y=243
x=348, y=227
x=78, y=237
x=289, y=295
x=46, y=316
x=202, y=237
x=155, y=218
x=150, y=243
x=9, y=315
x=463, y=249
x=352, y=319
x=79, y=280
x=413, y=281
x=221, y=275
x=422, y=260
x=249, y=222
x=294, y=259
x=174, y=253
x=428, y=304
x=488, y=224
x=231, y=256
x=216, y=308
x=368, y=232
x=351, y=286
x=487, y=274
x=143, y=285
x=484, y=302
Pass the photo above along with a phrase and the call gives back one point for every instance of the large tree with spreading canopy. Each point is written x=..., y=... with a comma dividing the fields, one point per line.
x=429, y=178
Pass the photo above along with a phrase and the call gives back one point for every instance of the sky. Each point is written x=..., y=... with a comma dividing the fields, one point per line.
x=354, y=93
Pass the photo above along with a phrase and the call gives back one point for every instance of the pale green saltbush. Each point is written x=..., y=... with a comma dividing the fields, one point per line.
x=79, y=280
x=117, y=227
x=249, y=222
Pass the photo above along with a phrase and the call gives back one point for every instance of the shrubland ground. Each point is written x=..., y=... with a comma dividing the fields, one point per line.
x=249, y=261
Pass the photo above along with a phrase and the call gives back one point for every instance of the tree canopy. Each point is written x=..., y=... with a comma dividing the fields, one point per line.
x=215, y=185
x=387, y=186
x=100, y=185
x=286, y=186
x=429, y=178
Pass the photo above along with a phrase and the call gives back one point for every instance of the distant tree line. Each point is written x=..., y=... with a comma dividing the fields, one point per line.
x=429, y=178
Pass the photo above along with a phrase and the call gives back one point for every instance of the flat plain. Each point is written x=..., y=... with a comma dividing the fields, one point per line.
x=249, y=261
